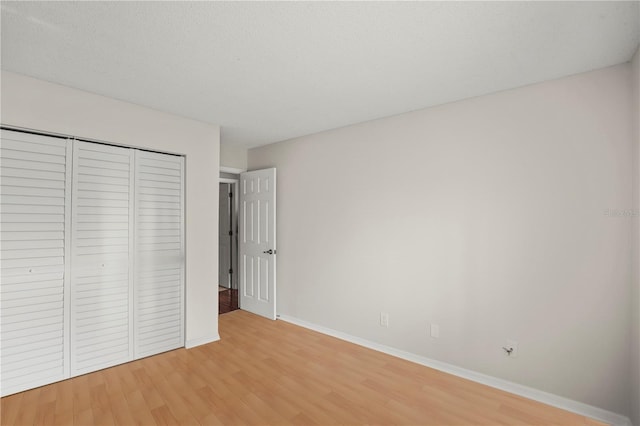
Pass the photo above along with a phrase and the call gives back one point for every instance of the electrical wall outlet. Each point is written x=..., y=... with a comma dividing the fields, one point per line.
x=511, y=348
x=435, y=331
x=384, y=319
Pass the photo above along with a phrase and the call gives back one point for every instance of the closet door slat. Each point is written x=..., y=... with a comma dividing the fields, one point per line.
x=102, y=250
x=159, y=283
x=35, y=195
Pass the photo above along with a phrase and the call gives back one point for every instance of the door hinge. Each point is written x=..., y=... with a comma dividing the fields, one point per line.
x=230, y=233
x=231, y=271
x=231, y=195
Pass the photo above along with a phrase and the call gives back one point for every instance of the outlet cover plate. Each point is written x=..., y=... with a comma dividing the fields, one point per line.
x=435, y=331
x=384, y=319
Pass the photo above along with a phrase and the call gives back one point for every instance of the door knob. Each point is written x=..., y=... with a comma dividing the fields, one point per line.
x=268, y=251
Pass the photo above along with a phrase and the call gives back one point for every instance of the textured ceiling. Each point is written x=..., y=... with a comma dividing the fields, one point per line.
x=268, y=71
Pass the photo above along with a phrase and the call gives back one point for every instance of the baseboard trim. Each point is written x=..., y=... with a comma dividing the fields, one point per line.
x=201, y=341
x=505, y=385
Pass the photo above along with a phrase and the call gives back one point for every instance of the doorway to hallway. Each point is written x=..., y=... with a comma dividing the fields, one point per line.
x=227, y=246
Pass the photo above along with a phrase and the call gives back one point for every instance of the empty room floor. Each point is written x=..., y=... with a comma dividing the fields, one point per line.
x=266, y=372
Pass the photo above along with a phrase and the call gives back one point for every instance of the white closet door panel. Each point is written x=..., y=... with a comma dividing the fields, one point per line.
x=35, y=198
x=102, y=302
x=159, y=284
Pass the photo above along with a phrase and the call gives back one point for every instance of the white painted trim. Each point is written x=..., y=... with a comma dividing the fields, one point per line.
x=201, y=341
x=68, y=179
x=234, y=170
x=183, y=250
x=505, y=385
x=228, y=180
x=134, y=172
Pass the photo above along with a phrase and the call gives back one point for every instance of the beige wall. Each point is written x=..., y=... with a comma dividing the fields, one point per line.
x=39, y=105
x=485, y=216
x=231, y=156
x=635, y=340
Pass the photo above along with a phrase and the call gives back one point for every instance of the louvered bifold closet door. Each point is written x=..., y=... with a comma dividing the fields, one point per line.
x=34, y=238
x=159, y=283
x=102, y=247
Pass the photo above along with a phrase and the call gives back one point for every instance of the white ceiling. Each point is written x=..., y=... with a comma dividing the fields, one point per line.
x=268, y=71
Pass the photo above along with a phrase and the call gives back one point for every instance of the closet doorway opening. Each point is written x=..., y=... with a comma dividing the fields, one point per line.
x=228, y=243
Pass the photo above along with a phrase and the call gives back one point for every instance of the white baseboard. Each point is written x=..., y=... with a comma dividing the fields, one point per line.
x=201, y=341
x=505, y=385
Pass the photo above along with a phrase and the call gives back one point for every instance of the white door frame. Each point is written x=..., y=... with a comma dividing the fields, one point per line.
x=232, y=170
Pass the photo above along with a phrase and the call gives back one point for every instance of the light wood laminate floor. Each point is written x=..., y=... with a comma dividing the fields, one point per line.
x=273, y=373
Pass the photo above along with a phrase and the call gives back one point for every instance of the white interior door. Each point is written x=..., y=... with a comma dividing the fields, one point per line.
x=35, y=194
x=160, y=255
x=101, y=264
x=257, y=242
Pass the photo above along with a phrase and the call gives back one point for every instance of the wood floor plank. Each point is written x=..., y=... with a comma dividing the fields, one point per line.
x=266, y=372
x=29, y=405
x=112, y=383
x=83, y=417
x=63, y=414
x=120, y=410
x=45, y=414
x=139, y=409
x=11, y=406
x=81, y=394
x=163, y=416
